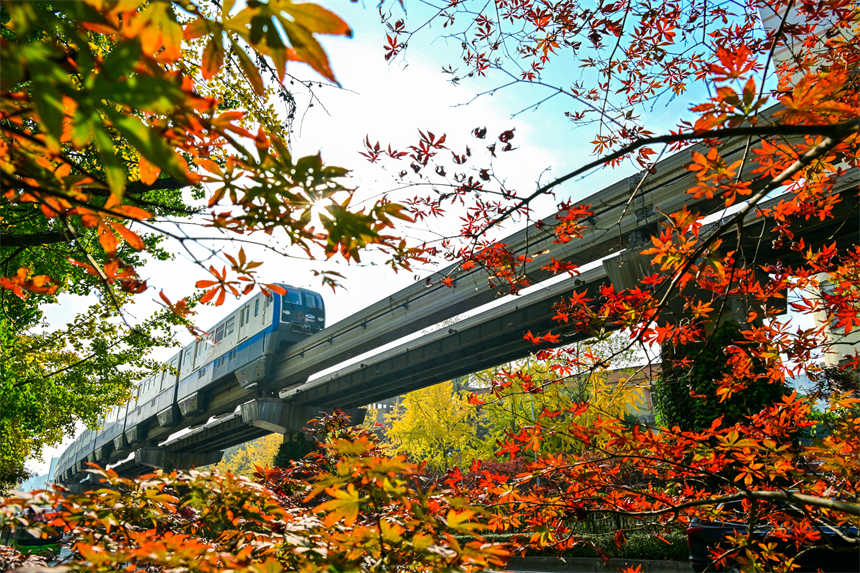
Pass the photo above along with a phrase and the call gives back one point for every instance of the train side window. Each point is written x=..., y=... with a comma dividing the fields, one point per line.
x=219, y=334
x=319, y=301
x=230, y=326
x=257, y=306
x=242, y=317
x=201, y=372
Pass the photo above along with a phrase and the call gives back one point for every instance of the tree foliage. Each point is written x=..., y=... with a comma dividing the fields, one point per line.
x=436, y=425
x=54, y=379
x=101, y=105
x=691, y=401
x=242, y=460
x=456, y=423
x=110, y=112
x=345, y=507
x=769, y=209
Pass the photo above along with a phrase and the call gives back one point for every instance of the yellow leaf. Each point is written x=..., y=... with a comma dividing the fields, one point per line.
x=307, y=49
x=422, y=541
x=316, y=19
x=344, y=505
x=459, y=519
x=250, y=71
x=391, y=531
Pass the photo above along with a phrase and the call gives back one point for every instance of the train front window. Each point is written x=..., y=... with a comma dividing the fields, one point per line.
x=291, y=300
x=310, y=300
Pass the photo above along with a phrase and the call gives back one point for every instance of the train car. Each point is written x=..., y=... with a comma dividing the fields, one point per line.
x=243, y=343
x=111, y=427
x=240, y=346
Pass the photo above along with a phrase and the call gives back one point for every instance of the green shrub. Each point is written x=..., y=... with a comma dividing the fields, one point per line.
x=686, y=396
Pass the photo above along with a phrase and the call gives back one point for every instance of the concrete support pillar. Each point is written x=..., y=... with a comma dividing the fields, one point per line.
x=270, y=414
x=625, y=271
x=295, y=446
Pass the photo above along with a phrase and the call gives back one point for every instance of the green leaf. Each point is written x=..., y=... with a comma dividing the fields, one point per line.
x=121, y=61
x=114, y=171
x=308, y=163
x=143, y=93
x=49, y=108
x=344, y=505
x=149, y=143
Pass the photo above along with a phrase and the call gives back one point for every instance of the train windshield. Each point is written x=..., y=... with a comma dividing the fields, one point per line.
x=312, y=300
x=304, y=310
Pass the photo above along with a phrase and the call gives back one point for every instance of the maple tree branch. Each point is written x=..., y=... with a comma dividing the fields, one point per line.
x=836, y=130
x=763, y=187
x=786, y=496
x=805, y=499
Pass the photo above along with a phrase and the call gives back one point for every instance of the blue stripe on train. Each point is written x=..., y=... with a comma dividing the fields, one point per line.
x=245, y=343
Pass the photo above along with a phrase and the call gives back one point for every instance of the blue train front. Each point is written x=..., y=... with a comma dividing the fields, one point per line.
x=238, y=351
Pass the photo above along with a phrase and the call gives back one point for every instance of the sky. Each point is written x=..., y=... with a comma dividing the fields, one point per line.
x=391, y=101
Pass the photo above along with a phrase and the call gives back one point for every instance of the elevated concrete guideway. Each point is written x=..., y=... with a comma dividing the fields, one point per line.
x=625, y=214
x=487, y=339
x=496, y=335
x=621, y=218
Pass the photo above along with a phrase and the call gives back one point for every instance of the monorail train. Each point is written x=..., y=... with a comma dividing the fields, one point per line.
x=243, y=341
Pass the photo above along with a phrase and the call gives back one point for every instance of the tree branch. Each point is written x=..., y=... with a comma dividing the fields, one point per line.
x=838, y=131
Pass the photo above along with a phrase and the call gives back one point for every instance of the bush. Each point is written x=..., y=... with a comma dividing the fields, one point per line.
x=686, y=396
x=672, y=546
x=344, y=507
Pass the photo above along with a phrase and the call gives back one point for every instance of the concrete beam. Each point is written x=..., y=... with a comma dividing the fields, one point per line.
x=164, y=459
x=275, y=415
x=278, y=416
